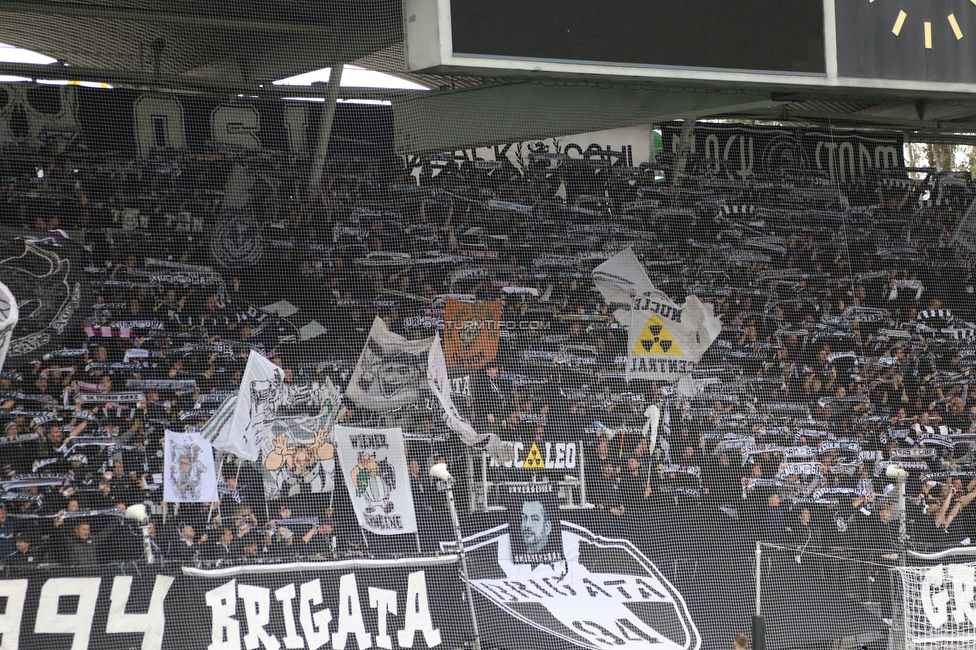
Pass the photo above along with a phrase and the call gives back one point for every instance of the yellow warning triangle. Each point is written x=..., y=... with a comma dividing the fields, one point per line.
x=656, y=339
x=534, y=459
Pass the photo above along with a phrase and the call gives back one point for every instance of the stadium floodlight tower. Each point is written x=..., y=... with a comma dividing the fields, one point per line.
x=440, y=472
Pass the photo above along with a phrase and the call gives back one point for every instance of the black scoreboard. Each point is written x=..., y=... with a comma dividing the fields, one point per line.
x=915, y=46
x=756, y=35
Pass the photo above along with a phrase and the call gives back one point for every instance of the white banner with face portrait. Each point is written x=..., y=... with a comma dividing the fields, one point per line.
x=374, y=467
x=394, y=372
x=189, y=475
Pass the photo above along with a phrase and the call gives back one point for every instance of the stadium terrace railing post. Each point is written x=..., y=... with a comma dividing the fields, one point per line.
x=758, y=622
x=440, y=472
x=476, y=645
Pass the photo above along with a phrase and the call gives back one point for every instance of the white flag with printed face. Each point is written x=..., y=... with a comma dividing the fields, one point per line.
x=374, y=467
x=667, y=340
x=393, y=372
x=261, y=394
x=9, y=315
x=189, y=475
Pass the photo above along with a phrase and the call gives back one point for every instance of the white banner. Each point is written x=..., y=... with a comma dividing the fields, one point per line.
x=938, y=605
x=9, y=315
x=621, y=278
x=189, y=475
x=440, y=385
x=394, y=372
x=667, y=340
x=374, y=468
x=261, y=394
x=391, y=371
x=299, y=452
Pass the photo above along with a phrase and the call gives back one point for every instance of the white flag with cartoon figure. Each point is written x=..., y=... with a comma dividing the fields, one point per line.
x=374, y=468
x=299, y=452
x=189, y=475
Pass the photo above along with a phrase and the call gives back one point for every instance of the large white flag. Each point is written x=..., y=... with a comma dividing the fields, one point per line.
x=261, y=394
x=621, y=278
x=9, y=315
x=299, y=452
x=393, y=372
x=440, y=386
x=667, y=340
x=189, y=475
x=374, y=468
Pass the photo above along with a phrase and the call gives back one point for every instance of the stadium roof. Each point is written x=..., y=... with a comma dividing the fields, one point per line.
x=242, y=47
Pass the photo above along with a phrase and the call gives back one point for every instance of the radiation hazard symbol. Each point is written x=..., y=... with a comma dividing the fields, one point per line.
x=656, y=339
x=534, y=459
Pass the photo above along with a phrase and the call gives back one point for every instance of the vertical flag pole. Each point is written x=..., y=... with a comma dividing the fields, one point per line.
x=220, y=472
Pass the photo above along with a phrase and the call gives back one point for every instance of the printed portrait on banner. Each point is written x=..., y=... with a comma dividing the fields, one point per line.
x=189, y=474
x=44, y=276
x=391, y=372
x=535, y=517
x=471, y=333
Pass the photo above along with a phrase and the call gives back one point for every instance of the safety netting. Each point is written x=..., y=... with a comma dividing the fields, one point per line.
x=281, y=371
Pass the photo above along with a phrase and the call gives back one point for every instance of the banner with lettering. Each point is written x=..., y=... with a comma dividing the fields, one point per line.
x=384, y=604
x=741, y=152
x=471, y=333
x=667, y=339
x=374, y=468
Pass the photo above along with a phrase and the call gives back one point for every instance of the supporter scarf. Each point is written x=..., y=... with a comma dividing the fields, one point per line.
x=748, y=453
x=294, y=521
x=763, y=483
x=24, y=397
x=19, y=440
x=882, y=467
x=99, y=512
x=114, y=398
x=21, y=481
x=66, y=352
x=162, y=384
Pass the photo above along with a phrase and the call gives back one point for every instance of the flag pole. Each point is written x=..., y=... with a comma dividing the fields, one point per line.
x=220, y=472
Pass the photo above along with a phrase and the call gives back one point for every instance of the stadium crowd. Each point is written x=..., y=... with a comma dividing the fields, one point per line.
x=847, y=343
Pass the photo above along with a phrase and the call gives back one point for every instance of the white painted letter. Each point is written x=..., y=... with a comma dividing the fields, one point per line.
x=350, y=615
x=416, y=615
x=225, y=631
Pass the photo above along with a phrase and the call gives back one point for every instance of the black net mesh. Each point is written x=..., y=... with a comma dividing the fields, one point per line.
x=394, y=359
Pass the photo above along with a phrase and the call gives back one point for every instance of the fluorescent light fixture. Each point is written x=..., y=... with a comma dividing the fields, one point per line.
x=368, y=102
x=11, y=54
x=67, y=82
x=352, y=77
x=8, y=79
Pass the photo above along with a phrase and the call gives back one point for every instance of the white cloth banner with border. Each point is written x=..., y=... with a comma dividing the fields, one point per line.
x=189, y=474
x=621, y=278
x=374, y=468
x=667, y=340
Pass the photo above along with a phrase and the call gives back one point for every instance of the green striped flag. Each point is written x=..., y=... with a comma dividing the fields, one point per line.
x=217, y=421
